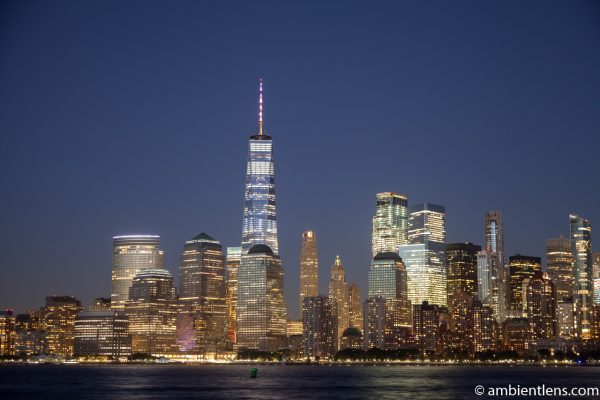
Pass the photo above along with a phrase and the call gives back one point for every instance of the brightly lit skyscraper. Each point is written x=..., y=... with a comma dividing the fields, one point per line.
x=338, y=291
x=424, y=256
x=260, y=216
x=581, y=236
x=309, y=267
x=390, y=223
x=131, y=254
x=559, y=260
x=496, y=264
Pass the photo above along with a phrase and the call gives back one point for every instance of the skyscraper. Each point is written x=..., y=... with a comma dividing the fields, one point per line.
x=596, y=277
x=131, y=254
x=309, y=266
x=484, y=278
x=260, y=216
x=319, y=326
x=234, y=255
x=424, y=256
x=202, y=289
x=461, y=262
x=521, y=267
x=494, y=246
x=8, y=333
x=560, y=261
x=103, y=333
x=338, y=291
x=152, y=312
x=59, y=319
x=374, y=325
x=390, y=223
x=540, y=306
x=261, y=310
x=355, y=307
x=581, y=247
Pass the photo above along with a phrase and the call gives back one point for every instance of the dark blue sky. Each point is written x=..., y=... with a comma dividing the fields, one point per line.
x=133, y=117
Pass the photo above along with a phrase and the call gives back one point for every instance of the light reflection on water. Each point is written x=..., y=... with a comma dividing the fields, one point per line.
x=273, y=382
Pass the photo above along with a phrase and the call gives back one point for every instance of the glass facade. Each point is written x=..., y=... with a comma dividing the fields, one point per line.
x=152, y=312
x=309, y=266
x=426, y=223
x=234, y=255
x=484, y=278
x=426, y=272
x=581, y=247
x=102, y=333
x=461, y=261
x=559, y=259
x=390, y=223
x=499, y=276
x=261, y=310
x=338, y=291
x=202, y=290
x=131, y=254
x=521, y=267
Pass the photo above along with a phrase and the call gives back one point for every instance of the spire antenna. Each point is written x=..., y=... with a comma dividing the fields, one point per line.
x=260, y=110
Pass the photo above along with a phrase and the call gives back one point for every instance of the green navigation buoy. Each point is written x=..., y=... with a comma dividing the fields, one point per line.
x=253, y=372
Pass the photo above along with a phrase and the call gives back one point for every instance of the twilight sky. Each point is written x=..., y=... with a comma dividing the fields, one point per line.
x=133, y=117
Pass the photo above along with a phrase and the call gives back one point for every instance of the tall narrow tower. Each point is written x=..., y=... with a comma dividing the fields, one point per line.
x=338, y=290
x=494, y=247
x=309, y=267
x=581, y=237
x=260, y=216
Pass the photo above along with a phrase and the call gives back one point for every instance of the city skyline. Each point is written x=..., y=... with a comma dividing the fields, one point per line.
x=142, y=175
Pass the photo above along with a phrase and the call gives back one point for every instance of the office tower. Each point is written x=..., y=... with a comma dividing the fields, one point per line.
x=338, y=290
x=565, y=319
x=494, y=246
x=560, y=261
x=131, y=254
x=102, y=333
x=309, y=266
x=461, y=263
x=539, y=296
x=8, y=334
x=261, y=310
x=515, y=335
x=390, y=223
x=101, y=304
x=260, y=216
x=152, y=312
x=426, y=319
x=424, y=256
x=521, y=267
x=294, y=331
x=202, y=290
x=234, y=255
x=355, y=307
x=319, y=327
x=596, y=277
x=482, y=328
x=374, y=325
x=581, y=247
x=59, y=319
x=484, y=278
x=460, y=305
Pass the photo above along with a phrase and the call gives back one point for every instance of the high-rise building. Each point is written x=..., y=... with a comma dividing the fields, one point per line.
x=426, y=318
x=103, y=333
x=375, y=321
x=596, y=277
x=461, y=262
x=261, y=310
x=484, y=278
x=202, y=290
x=131, y=254
x=460, y=305
x=8, y=334
x=515, y=335
x=319, y=327
x=581, y=247
x=338, y=291
x=234, y=255
x=498, y=271
x=59, y=319
x=152, y=312
x=560, y=262
x=260, y=216
x=309, y=266
x=482, y=330
x=390, y=223
x=424, y=256
x=355, y=307
x=595, y=322
x=565, y=319
x=101, y=304
x=31, y=336
x=521, y=267
x=539, y=295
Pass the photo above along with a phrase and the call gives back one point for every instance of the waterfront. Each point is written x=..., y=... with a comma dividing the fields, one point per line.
x=275, y=381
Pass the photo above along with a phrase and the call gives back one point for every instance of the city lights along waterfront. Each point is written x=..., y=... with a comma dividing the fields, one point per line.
x=428, y=301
